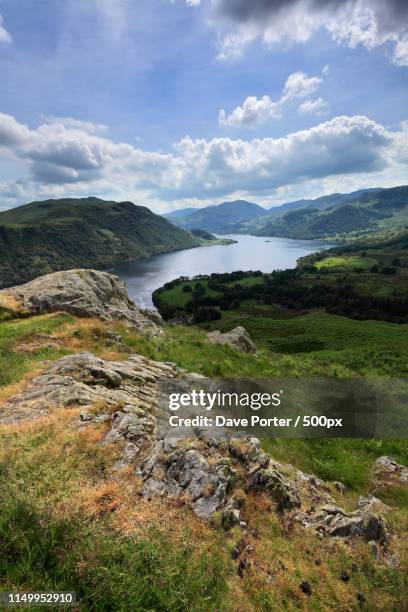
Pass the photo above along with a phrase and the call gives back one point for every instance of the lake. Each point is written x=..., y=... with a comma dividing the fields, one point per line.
x=249, y=253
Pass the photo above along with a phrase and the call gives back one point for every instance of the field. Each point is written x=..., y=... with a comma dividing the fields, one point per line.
x=346, y=263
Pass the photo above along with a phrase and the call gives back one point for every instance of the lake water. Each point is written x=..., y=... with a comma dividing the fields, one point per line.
x=249, y=253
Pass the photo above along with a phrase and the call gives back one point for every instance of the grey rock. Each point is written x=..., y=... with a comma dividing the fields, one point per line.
x=153, y=315
x=375, y=528
x=387, y=472
x=341, y=488
x=394, y=561
x=229, y=517
x=238, y=338
x=335, y=522
x=85, y=293
x=186, y=472
x=113, y=338
x=284, y=492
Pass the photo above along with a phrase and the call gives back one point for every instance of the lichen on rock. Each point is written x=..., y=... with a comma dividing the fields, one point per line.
x=85, y=293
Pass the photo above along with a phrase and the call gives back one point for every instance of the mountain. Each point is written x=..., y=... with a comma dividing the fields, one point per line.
x=179, y=214
x=42, y=237
x=221, y=218
x=338, y=215
x=322, y=203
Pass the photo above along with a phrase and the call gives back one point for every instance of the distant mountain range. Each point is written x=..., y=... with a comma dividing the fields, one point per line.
x=42, y=237
x=223, y=218
x=328, y=216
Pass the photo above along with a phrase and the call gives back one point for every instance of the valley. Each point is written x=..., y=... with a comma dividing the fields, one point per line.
x=336, y=216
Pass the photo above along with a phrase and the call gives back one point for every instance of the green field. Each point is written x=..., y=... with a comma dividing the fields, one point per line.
x=176, y=296
x=346, y=263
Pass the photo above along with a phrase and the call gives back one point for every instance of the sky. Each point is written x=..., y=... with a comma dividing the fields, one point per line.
x=176, y=103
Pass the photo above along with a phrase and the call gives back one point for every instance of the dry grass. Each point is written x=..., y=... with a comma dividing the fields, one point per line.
x=103, y=498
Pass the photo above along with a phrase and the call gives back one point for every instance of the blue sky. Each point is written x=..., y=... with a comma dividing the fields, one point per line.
x=180, y=103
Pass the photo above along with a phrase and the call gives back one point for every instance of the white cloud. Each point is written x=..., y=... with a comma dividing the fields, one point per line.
x=4, y=35
x=312, y=106
x=371, y=23
x=299, y=85
x=69, y=122
x=66, y=157
x=255, y=111
x=252, y=112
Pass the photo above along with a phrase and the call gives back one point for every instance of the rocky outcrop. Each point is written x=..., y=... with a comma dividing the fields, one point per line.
x=333, y=521
x=209, y=474
x=283, y=491
x=187, y=473
x=238, y=338
x=85, y=293
x=115, y=388
x=388, y=473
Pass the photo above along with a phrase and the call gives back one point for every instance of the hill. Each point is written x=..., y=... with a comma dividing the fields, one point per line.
x=222, y=218
x=99, y=499
x=179, y=214
x=42, y=237
x=337, y=215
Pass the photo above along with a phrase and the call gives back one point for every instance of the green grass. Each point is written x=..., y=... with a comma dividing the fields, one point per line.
x=346, y=262
x=347, y=460
x=120, y=573
x=15, y=363
x=49, y=540
x=177, y=297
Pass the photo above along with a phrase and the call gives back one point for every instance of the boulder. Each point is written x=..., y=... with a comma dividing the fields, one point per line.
x=85, y=293
x=333, y=521
x=187, y=474
x=238, y=338
x=229, y=517
x=387, y=472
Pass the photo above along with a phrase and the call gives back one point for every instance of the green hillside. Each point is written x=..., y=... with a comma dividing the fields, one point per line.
x=42, y=237
x=332, y=216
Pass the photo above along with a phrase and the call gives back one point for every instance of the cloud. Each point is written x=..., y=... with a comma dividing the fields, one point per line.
x=11, y=132
x=65, y=157
x=371, y=23
x=255, y=111
x=299, y=85
x=4, y=35
x=69, y=122
x=252, y=112
x=312, y=106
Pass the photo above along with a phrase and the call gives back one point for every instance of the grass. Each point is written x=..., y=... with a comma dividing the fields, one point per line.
x=177, y=297
x=308, y=345
x=57, y=502
x=346, y=262
x=347, y=460
x=15, y=363
x=96, y=536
